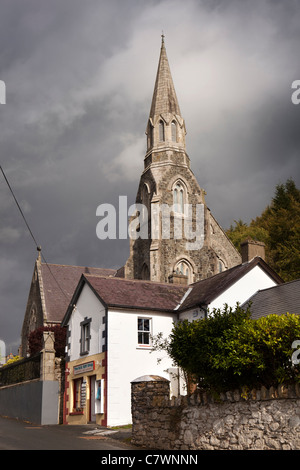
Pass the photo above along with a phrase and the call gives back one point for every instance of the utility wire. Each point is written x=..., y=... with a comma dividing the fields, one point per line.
x=30, y=231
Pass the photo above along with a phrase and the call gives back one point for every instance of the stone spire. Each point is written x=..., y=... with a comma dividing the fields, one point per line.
x=166, y=127
x=164, y=96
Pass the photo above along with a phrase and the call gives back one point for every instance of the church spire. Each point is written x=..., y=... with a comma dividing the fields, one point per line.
x=164, y=96
x=166, y=127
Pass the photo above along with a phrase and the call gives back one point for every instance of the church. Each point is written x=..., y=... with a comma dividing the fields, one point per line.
x=183, y=266
x=168, y=181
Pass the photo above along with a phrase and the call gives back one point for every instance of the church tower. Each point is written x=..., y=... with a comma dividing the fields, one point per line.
x=174, y=237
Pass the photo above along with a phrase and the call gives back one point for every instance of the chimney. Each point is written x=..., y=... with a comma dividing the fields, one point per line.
x=252, y=248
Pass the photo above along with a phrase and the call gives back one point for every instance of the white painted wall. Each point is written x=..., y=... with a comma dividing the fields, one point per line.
x=127, y=361
x=88, y=306
x=244, y=288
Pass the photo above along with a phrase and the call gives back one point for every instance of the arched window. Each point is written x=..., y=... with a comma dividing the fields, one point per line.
x=174, y=131
x=145, y=273
x=178, y=197
x=184, y=268
x=161, y=128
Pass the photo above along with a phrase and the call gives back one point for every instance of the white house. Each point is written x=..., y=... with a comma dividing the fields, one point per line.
x=110, y=323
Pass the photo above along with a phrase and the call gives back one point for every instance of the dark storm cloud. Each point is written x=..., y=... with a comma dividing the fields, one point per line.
x=80, y=77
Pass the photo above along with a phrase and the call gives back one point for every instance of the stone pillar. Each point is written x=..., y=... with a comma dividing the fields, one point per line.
x=47, y=371
x=147, y=392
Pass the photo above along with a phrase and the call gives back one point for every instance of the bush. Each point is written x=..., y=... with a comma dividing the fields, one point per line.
x=35, y=340
x=229, y=350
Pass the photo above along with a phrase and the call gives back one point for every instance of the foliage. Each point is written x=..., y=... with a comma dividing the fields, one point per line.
x=12, y=360
x=35, y=340
x=230, y=350
x=279, y=228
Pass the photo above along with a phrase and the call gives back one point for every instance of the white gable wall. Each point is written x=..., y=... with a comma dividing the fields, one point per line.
x=88, y=306
x=244, y=288
x=127, y=361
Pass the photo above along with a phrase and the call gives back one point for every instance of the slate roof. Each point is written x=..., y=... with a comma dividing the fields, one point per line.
x=59, y=283
x=205, y=291
x=116, y=292
x=276, y=300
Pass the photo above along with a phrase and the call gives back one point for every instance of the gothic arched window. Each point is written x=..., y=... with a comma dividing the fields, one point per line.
x=161, y=128
x=145, y=273
x=178, y=197
x=174, y=131
x=184, y=268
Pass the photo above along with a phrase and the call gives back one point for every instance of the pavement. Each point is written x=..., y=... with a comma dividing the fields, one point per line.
x=21, y=435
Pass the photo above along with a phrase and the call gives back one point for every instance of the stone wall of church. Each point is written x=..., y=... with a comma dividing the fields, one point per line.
x=33, y=317
x=161, y=256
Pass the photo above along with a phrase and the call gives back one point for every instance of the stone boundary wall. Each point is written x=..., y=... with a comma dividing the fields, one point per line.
x=264, y=419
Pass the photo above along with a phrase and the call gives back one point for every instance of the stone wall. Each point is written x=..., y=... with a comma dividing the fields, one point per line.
x=264, y=419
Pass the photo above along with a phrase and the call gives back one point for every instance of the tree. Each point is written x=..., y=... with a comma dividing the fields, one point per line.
x=279, y=228
x=35, y=340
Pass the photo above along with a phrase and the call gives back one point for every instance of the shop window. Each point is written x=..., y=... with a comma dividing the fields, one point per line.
x=77, y=395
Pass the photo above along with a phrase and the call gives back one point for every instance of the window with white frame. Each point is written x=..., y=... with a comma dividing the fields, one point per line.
x=144, y=331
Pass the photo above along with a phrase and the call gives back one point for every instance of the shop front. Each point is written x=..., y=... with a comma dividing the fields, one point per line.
x=85, y=391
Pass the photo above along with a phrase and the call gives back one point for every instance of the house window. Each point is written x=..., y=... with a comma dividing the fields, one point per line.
x=85, y=336
x=174, y=131
x=144, y=331
x=161, y=128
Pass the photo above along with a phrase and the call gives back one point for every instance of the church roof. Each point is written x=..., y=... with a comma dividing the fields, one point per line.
x=59, y=283
x=164, y=96
x=275, y=300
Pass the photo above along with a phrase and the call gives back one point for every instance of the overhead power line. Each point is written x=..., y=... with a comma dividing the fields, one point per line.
x=30, y=231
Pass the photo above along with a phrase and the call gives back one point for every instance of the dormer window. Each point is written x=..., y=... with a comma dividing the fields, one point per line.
x=161, y=128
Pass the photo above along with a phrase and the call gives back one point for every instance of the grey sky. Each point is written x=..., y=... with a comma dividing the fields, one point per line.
x=79, y=78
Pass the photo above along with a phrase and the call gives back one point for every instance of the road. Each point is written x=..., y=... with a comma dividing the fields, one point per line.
x=19, y=435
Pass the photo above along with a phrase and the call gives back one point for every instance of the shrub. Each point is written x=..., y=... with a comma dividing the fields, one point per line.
x=230, y=350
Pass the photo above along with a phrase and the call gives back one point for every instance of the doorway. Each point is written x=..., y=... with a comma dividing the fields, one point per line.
x=92, y=398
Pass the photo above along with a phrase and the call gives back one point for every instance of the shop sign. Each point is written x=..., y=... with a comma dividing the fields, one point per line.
x=82, y=368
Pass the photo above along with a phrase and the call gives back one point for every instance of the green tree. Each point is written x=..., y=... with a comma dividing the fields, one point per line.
x=279, y=228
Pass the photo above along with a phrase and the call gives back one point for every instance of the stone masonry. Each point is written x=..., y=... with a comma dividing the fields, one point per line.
x=265, y=419
x=166, y=179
